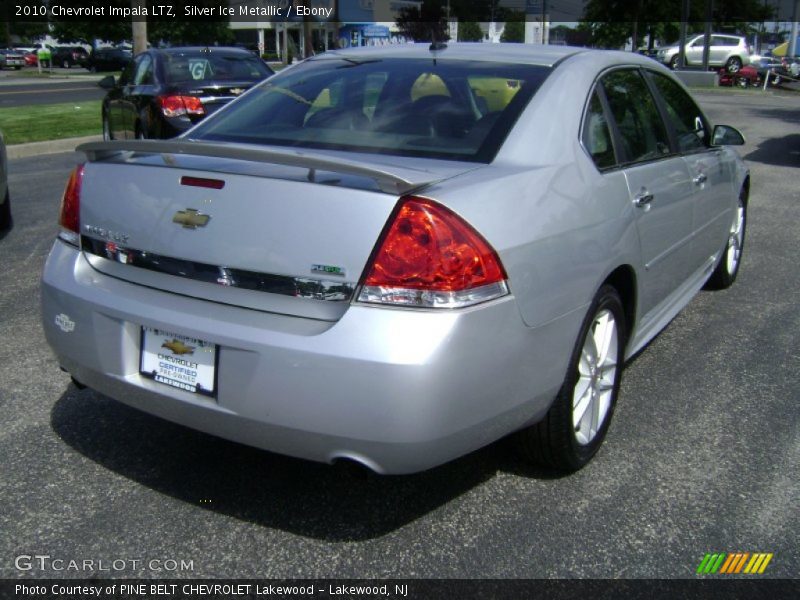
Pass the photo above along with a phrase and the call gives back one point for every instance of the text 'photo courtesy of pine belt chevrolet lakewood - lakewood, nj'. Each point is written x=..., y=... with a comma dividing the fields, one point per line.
x=397, y=255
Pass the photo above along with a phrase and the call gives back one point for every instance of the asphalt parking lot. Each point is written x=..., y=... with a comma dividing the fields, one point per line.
x=702, y=456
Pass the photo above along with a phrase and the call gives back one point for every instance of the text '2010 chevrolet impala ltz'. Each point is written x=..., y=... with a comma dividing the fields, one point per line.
x=397, y=255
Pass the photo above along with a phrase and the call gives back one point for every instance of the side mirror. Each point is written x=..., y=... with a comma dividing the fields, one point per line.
x=725, y=135
x=107, y=82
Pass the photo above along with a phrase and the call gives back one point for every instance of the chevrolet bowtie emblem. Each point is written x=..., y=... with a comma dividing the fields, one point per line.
x=237, y=91
x=190, y=218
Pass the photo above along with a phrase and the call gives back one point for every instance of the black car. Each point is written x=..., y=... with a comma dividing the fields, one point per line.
x=162, y=93
x=108, y=59
x=69, y=56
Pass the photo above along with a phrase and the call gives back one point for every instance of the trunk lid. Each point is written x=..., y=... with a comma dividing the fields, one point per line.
x=287, y=232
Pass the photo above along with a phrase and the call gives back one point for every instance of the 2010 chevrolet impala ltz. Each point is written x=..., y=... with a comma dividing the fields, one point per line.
x=397, y=255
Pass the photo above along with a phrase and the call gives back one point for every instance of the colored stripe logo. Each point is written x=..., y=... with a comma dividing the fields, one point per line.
x=734, y=563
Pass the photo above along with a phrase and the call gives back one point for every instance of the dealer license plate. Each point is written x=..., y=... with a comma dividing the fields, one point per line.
x=185, y=363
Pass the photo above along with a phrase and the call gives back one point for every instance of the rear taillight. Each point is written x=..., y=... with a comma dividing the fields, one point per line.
x=175, y=106
x=70, y=215
x=429, y=257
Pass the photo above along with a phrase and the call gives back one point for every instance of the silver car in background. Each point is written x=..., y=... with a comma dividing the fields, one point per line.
x=397, y=255
x=729, y=51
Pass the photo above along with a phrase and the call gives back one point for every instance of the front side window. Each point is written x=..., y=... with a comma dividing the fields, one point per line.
x=636, y=115
x=684, y=115
x=144, y=71
x=449, y=109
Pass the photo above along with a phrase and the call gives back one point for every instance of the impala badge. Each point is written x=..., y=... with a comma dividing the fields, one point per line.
x=191, y=218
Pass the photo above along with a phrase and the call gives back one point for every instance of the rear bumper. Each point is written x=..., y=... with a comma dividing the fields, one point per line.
x=397, y=390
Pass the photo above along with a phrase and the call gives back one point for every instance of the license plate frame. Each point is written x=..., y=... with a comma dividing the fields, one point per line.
x=179, y=361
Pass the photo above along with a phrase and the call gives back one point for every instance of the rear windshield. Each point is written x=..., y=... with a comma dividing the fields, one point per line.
x=207, y=66
x=449, y=109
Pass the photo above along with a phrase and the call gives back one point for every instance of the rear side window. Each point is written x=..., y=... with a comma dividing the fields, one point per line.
x=449, y=109
x=684, y=115
x=596, y=135
x=634, y=111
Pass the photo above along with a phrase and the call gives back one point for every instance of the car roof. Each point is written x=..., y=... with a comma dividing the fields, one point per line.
x=533, y=54
x=530, y=54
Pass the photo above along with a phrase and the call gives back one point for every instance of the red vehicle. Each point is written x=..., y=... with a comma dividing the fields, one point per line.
x=31, y=59
x=744, y=77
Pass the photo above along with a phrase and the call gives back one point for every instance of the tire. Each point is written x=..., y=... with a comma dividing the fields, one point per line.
x=734, y=64
x=673, y=62
x=743, y=82
x=107, y=135
x=65, y=64
x=728, y=267
x=140, y=135
x=92, y=69
x=564, y=440
x=5, y=213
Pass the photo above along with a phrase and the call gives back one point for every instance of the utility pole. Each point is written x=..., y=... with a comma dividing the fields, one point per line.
x=792, y=50
x=707, y=33
x=682, y=41
x=139, y=28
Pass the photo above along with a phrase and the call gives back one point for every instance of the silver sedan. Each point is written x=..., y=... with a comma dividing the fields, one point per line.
x=397, y=255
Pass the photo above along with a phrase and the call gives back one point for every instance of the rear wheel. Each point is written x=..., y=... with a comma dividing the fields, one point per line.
x=5, y=213
x=725, y=273
x=576, y=424
x=734, y=64
x=673, y=62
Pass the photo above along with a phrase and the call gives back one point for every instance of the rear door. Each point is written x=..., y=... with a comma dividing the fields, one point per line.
x=658, y=185
x=139, y=95
x=116, y=100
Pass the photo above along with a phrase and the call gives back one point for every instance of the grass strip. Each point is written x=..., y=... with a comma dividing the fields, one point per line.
x=37, y=123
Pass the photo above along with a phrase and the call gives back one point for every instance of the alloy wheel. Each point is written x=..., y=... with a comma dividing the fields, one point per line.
x=735, y=240
x=597, y=368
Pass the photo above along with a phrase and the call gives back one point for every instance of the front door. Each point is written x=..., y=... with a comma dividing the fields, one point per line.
x=658, y=185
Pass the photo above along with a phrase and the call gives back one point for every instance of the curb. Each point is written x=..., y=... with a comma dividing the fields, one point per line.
x=48, y=147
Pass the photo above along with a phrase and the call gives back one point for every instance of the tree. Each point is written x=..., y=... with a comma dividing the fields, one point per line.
x=469, y=31
x=611, y=23
x=187, y=33
x=86, y=32
x=424, y=24
x=514, y=31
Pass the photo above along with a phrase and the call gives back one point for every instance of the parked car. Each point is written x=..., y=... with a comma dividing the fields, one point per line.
x=31, y=59
x=729, y=51
x=745, y=77
x=346, y=264
x=5, y=200
x=11, y=59
x=70, y=56
x=164, y=92
x=108, y=59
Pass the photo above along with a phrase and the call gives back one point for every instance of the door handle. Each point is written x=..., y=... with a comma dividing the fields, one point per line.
x=643, y=198
x=701, y=178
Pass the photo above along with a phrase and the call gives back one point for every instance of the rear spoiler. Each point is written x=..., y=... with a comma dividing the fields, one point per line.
x=387, y=182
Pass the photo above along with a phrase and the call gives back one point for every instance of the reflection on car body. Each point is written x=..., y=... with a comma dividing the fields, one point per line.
x=411, y=252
